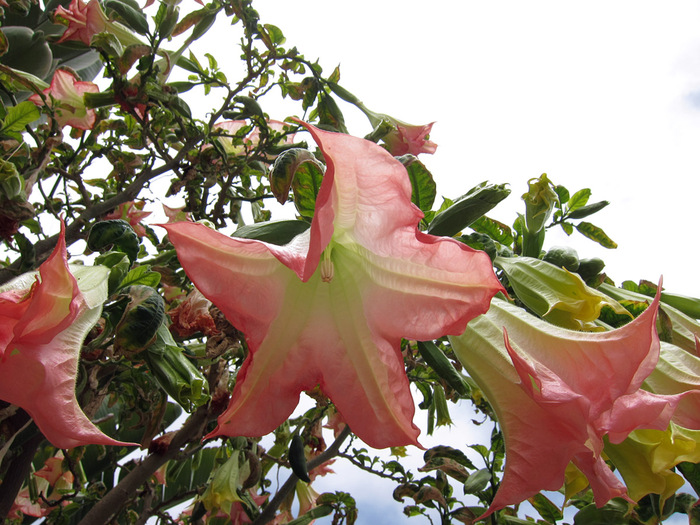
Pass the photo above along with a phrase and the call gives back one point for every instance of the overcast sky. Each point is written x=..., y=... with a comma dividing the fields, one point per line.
x=604, y=95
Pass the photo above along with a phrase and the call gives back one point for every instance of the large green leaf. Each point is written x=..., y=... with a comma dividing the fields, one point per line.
x=423, y=189
x=305, y=186
x=578, y=199
x=277, y=232
x=596, y=234
x=19, y=116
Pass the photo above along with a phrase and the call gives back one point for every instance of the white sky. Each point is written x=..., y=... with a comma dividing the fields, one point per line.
x=598, y=96
x=604, y=95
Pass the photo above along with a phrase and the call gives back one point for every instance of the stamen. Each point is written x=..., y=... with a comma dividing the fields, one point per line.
x=326, y=266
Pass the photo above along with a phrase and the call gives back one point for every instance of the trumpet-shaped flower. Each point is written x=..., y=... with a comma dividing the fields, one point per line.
x=406, y=138
x=65, y=95
x=646, y=459
x=86, y=20
x=83, y=20
x=330, y=308
x=558, y=393
x=43, y=321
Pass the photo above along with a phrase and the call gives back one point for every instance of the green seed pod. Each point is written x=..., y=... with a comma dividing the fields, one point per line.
x=297, y=458
x=438, y=361
x=562, y=257
x=468, y=208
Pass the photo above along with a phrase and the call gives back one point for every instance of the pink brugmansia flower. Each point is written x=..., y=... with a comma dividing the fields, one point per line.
x=43, y=321
x=132, y=213
x=330, y=308
x=405, y=138
x=83, y=20
x=86, y=20
x=558, y=393
x=65, y=95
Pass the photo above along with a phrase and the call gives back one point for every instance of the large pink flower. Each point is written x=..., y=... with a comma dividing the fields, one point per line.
x=83, y=20
x=43, y=321
x=65, y=95
x=557, y=393
x=330, y=308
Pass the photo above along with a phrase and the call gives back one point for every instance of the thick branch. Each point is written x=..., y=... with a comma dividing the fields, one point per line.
x=105, y=509
x=268, y=513
x=16, y=474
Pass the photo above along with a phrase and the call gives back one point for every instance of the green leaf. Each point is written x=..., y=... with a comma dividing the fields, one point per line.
x=691, y=472
x=578, y=199
x=118, y=264
x=335, y=76
x=612, y=513
x=285, y=169
x=597, y=234
x=279, y=232
x=129, y=16
x=563, y=194
x=567, y=227
x=442, y=451
x=141, y=275
x=477, y=481
x=19, y=116
x=116, y=232
x=548, y=510
x=27, y=252
x=275, y=34
x=423, y=189
x=189, y=64
x=305, y=185
x=330, y=116
x=496, y=230
x=181, y=87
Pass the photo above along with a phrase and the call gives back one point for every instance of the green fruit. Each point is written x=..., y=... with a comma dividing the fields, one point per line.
x=297, y=459
x=589, y=268
x=562, y=257
x=28, y=51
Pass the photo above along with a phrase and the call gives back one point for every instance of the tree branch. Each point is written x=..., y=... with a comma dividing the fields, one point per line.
x=16, y=474
x=112, y=503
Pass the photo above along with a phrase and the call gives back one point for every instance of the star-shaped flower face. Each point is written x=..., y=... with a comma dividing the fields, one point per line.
x=557, y=393
x=43, y=321
x=330, y=308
